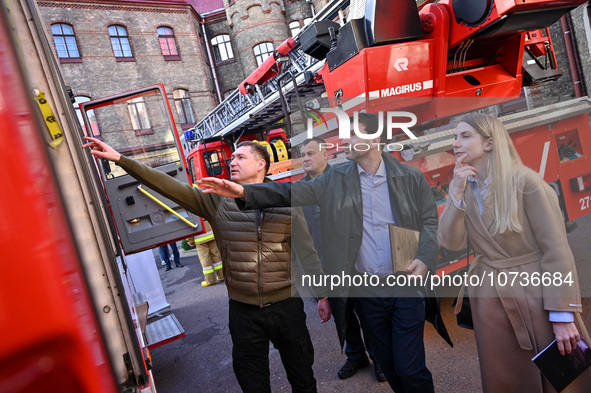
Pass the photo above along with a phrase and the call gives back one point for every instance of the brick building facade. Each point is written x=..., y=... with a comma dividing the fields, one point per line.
x=109, y=47
x=199, y=49
x=577, y=28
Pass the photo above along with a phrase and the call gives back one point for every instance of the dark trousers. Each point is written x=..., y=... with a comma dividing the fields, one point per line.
x=394, y=328
x=282, y=323
x=165, y=256
x=354, y=345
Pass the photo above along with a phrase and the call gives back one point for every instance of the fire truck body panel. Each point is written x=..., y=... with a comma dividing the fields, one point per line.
x=58, y=340
x=210, y=159
x=71, y=318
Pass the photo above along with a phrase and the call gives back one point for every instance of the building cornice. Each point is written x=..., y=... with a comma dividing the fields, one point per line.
x=159, y=6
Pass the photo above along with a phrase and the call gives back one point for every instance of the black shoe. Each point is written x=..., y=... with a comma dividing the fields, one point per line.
x=380, y=376
x=180, y=265
x=167, y=269
x=351, y=366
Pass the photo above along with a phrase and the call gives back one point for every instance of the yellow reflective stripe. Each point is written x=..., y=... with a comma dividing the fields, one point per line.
x=208, y=270
x=218, y=267
x=205, y=238
x=57, y=135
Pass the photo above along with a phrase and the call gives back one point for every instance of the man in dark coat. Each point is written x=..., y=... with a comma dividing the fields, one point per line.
x=315, y=162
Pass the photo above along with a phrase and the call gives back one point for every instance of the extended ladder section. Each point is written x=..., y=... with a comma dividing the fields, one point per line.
x=239, y=112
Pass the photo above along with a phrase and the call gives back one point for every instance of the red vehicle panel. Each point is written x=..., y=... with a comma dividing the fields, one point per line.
x=55, y=340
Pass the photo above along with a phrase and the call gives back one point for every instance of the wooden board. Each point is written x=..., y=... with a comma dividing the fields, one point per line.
x=404, y=243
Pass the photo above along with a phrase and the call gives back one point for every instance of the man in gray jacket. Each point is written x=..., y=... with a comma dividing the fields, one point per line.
x=256, y=251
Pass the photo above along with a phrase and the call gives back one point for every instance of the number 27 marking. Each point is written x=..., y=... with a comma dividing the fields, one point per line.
x=584, y=202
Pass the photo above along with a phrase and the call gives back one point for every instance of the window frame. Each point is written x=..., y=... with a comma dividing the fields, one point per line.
x=213, y=168
x=63, y=35
x=167, y=37
x=119, y=38
x=136, y=117
x=181, y=103
x=227, y=45
x=292, y=26
x=260, y=55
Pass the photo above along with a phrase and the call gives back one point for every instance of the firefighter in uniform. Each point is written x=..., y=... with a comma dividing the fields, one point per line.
x=209, y=256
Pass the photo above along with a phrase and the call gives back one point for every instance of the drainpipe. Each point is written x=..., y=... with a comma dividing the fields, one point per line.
x=311, y=3
x=211, y=63
x=573, y=56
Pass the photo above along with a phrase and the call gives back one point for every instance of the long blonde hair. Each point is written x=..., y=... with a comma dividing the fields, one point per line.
x=506, y=172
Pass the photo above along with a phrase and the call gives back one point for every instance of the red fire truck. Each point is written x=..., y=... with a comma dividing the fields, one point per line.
x=430, y=64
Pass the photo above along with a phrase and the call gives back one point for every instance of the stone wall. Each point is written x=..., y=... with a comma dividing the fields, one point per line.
x=582, y=35
x=254, y=22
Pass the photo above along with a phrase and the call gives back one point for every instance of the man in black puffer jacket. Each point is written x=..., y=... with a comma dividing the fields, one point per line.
x=256, y=251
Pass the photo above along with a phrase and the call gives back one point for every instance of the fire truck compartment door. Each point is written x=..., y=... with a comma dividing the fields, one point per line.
x=139, y=125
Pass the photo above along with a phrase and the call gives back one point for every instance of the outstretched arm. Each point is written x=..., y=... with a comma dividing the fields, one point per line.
x=188, y=197
x=223, y=187
x=268, y=194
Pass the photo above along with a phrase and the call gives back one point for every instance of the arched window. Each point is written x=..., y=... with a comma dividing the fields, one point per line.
x=184, y=108
x=168, y=43
x=262, y=51
x=222, y=48
x=91, y=116
x=65, y=41
x=120, y=42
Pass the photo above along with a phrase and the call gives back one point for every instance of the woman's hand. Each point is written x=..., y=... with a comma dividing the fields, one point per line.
x=461, y=174
x=567, y=335
x=100, y=149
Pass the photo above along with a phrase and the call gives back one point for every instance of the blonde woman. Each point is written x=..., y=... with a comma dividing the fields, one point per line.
x=513, y=222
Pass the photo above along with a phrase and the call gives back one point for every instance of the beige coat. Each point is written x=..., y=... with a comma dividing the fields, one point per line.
x=511, y=323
